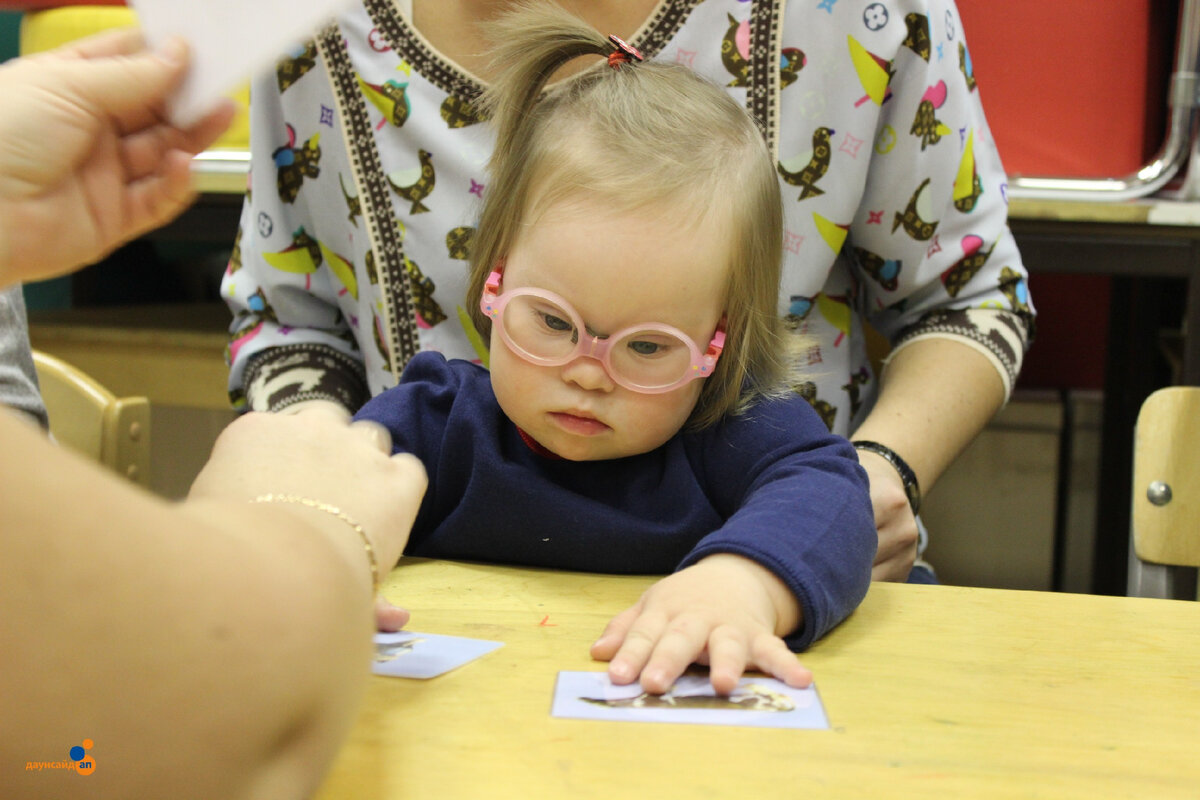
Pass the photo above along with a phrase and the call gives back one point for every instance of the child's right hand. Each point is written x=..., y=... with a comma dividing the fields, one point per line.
x=725, y=611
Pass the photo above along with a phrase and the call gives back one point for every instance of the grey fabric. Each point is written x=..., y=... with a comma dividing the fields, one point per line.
x=18, y=381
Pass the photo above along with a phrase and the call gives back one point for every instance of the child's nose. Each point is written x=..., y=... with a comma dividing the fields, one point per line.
x=588, y=373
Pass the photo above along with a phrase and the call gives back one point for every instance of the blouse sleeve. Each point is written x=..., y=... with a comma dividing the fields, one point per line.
x=930, y=241
x=894, y=191
x=289, y=339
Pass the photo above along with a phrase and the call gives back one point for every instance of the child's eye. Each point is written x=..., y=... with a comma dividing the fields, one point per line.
x=555, y=323
x=643, y=347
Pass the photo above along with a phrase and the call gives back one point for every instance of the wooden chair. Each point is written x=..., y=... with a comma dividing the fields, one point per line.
x=86, y=417
x=1165, y=540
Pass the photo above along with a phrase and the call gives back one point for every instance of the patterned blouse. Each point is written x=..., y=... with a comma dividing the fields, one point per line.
x=368, y=166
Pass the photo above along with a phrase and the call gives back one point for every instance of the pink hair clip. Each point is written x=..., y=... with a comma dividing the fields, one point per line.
x=624, y=53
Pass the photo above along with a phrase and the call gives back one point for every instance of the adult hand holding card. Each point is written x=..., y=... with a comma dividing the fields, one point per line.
x=229, y=39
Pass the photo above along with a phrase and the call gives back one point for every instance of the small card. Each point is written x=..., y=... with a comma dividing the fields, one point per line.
x=230, y=40
x=408, y=654
x=756, y=702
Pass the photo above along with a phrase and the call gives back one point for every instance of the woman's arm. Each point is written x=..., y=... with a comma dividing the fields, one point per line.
x=956, y=307
x=935, y=396
x=214, y=648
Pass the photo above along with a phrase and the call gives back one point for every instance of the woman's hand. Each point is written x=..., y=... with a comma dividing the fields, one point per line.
x=894, y=520
x=87, y=158
x=317, y=454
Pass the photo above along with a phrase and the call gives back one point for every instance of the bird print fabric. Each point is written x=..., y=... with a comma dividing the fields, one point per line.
x=369, y=165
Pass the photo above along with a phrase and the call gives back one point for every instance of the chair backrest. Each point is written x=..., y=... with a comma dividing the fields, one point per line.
x=1165, y=541
x=86, y=417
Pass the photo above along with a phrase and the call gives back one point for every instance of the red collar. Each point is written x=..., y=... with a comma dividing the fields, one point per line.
x=533, y=445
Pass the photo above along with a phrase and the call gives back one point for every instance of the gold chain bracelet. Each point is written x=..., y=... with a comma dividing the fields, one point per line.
x=308, y=502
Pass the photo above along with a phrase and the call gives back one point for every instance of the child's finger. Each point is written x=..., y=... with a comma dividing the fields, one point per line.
x=613, y=636
x=678, y=647
x=635, y=651
x=128, y=92
x=728, y=652
x=772, y=656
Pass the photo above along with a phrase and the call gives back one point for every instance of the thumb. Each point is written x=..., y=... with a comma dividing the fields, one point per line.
x=412, y=472
x=389, y=617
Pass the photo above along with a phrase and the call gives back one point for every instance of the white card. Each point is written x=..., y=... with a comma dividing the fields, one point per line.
x=755, y=703
x=409, y=654
x=230, y=40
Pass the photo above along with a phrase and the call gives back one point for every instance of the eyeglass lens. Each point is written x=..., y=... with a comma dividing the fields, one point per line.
x=542, y=330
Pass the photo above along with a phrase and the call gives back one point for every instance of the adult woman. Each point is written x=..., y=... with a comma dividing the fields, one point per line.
x=368, y=155
x=142, y=638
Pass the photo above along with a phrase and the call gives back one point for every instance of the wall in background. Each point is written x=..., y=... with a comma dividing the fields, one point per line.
x=10, y=30
x=994, y=516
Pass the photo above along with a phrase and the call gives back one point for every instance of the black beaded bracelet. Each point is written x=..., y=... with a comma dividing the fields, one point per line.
x=912, y=489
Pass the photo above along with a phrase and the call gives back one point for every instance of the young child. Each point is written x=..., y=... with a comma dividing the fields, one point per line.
x=636, y=416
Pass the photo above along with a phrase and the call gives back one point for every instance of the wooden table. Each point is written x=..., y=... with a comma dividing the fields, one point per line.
x=932, y=691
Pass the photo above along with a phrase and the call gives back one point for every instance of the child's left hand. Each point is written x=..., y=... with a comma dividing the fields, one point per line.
x=725, y=610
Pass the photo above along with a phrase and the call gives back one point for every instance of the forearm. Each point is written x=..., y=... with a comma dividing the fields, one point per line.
x=251, y=622
x=935, y=396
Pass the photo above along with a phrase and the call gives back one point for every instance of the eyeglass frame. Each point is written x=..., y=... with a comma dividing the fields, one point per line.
x=492, y=303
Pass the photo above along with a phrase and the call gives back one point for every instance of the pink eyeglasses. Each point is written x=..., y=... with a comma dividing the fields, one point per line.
x=543, y=328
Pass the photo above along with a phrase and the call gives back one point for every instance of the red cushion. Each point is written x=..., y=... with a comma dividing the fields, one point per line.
x=1071, y=87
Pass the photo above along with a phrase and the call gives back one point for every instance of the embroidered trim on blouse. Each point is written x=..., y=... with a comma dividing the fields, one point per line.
x=762, y=96
x=1002, y=336
x=378, y=213
x=290, y=374
x=659, y=29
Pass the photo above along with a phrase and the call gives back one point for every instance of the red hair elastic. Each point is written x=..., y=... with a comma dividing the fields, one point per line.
x=624, y=53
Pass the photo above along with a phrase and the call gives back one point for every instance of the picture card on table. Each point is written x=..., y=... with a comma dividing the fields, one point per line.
x=756, y=702
x=230, y=40
x=409, y=654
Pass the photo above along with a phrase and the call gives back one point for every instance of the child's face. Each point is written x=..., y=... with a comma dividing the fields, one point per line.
x=617, y=269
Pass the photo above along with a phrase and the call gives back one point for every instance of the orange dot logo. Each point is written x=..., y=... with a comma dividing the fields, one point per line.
x=84, y=764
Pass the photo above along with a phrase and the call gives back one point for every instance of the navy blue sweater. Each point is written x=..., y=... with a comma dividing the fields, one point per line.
x=772, y=485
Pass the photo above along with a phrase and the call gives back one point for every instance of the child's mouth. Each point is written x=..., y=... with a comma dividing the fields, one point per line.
x=579, y=425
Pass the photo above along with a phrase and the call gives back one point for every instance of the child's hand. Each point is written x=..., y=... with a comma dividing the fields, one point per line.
x=726, y=611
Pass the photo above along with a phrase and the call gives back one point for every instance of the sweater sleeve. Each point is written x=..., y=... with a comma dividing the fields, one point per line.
x=796, y=501
x=415, y=412
x=18, y=380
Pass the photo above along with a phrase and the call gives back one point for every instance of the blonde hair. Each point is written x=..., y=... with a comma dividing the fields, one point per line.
x=636, y=135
